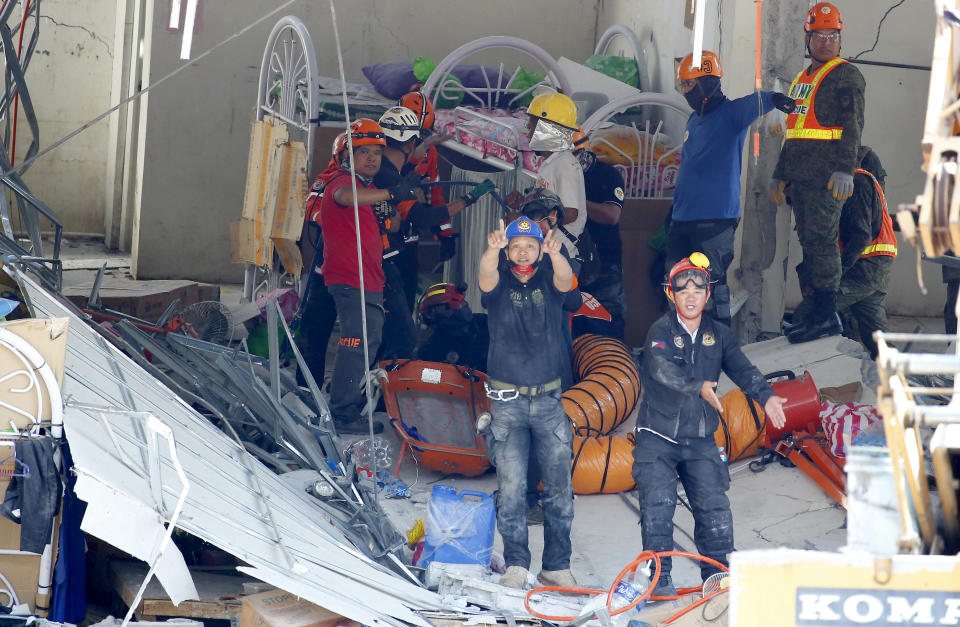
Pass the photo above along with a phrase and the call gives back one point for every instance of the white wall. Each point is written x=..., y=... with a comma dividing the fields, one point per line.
x=197, y=129
x=69, y=81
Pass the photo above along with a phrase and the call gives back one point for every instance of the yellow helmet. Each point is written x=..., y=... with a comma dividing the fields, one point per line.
x=554, y=107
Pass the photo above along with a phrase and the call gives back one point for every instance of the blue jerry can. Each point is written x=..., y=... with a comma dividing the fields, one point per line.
x=459, y=527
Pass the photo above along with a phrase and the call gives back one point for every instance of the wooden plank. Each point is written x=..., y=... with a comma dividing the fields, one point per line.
x=219, y=594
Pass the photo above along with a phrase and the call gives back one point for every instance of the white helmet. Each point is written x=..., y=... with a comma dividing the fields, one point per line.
x=400, y=124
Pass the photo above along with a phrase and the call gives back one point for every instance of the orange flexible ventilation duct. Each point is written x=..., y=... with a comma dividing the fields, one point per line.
x=602, y=464
x=607, y=391
x=608, y=387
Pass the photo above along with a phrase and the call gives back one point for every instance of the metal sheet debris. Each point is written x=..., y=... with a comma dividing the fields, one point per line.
x=288, y=538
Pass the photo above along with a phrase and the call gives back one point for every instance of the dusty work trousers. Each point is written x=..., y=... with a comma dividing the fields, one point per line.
x=715, y=239
x=861, y=301
x=318, y=316
x=346, y=396
x=399, y=333
x=817, y=216
x=656, y=464
x=408, y=263
x=542, y=420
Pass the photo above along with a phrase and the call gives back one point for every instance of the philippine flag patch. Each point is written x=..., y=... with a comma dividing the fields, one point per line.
x=657, y=344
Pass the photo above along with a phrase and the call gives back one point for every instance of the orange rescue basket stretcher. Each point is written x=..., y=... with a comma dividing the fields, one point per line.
x=434, y=408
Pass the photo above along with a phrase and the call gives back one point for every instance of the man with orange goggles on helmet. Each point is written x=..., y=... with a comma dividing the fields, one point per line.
x=706, y=204
x=683, y=356
x=815, y=171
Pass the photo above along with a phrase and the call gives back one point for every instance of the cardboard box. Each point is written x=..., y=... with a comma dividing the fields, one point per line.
x=49, y=338
x=276, y=608
x=146, y=300
x=641, y=218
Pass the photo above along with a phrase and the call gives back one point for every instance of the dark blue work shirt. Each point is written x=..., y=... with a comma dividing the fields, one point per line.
x=708, y=184
x=527, y=345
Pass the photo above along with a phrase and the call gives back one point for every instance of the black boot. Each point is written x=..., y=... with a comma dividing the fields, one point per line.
x=823, y=320
x=665, y=587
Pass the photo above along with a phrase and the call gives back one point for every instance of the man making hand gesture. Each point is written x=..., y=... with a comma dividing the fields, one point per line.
x=524, y=302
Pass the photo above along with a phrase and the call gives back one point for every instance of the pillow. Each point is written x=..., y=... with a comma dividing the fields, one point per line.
x=392, y=79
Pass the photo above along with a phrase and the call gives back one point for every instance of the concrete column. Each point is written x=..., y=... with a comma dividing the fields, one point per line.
x=765, y=230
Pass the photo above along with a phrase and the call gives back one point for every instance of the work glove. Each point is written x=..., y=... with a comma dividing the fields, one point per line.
x=384, y=210
x=842, y=185
x=783, y=102
x=776, y=193
x=482, y=189
x=407, y=188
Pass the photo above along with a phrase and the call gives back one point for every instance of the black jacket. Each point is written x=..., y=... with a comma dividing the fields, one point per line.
x=674, y=368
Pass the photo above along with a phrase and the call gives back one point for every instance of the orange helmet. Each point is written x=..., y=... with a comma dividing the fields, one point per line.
x=823, y=15
x=365, y=131
x=419, y=104
x=580, y=139
x=709, y=66
x=694, y=268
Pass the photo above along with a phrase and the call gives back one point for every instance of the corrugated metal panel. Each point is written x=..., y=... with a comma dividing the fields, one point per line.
x=223, y=506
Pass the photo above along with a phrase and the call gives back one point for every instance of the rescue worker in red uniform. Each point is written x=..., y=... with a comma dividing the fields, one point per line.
x=342, y=273
x=683, y=356
x=815, y=169
x=318, y=313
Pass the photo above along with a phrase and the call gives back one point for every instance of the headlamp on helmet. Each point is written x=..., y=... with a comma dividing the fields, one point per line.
x=692, y=271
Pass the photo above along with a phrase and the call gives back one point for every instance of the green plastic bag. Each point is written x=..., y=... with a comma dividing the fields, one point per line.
x=526, y=79
x=621, y=68
x=422, y=67
x=452, y=94
x=658, y=241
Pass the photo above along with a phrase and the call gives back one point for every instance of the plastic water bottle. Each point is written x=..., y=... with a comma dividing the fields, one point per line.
x=723, y=454
x=627, y=592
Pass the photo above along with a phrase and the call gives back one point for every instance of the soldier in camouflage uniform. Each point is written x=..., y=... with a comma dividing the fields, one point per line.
x=868, y=248
x=816, y=165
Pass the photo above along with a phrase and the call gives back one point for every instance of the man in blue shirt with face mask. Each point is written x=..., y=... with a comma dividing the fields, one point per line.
x=706, y=204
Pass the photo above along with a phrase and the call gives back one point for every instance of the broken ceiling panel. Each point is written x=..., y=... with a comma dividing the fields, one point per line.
x=282, y=533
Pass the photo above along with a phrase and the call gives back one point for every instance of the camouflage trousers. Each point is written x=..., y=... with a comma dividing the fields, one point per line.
x=817, y=215
x=861, y=300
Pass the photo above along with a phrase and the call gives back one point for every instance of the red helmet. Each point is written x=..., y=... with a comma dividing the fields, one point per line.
x=420, y=105
x=823, y=15
x=696, y=267
x=365, y=131
x=440, y=298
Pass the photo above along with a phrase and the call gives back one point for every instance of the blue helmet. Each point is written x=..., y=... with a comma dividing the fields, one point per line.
x=524, y=227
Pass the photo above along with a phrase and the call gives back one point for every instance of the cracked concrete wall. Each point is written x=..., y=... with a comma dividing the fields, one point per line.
x=198, y=124
x=69, y=79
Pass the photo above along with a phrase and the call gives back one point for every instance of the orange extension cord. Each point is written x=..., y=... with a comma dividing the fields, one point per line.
x=631, y=567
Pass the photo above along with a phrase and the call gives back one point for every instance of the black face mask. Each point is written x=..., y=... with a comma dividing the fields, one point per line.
x=706, y=95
